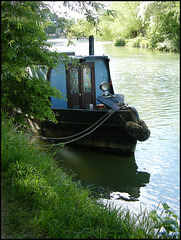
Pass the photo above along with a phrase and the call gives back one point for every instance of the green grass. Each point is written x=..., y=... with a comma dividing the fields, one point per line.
x=16, y=218
x=41, y=201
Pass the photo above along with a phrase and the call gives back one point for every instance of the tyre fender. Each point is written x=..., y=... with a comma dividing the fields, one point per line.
x=139, y=131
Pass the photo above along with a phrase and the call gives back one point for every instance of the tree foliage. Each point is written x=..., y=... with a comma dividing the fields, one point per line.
x=157, y=21
x=23, y=46
x=153, y=24
x=161, y=21
x=81, y=29
x=92, y=12
x=122, y=22
x=50, y=27
x=128, y=25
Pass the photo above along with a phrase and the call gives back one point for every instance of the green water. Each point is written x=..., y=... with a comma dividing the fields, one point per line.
x=150, y=82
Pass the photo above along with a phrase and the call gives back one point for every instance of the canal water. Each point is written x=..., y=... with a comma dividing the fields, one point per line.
x=150, y=82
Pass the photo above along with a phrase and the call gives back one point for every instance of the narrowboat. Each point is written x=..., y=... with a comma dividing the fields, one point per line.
x=92, y=115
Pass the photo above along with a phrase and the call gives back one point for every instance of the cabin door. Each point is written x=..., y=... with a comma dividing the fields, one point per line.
x=80, y=85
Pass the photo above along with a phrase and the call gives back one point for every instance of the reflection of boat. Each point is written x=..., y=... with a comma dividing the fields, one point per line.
x=93, y=115
x=115, y=174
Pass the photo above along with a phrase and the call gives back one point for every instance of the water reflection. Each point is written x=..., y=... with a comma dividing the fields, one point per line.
x=115, y=177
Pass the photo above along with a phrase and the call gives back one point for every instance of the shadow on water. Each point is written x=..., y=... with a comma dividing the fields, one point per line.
x=109, y=176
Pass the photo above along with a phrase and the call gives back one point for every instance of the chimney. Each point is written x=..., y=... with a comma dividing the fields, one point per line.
x=91, y=45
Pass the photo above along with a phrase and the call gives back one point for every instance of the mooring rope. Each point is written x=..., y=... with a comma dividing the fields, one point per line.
x=122, y=118
x=110, y=113
x=62, y=138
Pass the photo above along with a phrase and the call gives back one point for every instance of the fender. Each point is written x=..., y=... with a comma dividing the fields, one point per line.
x=134, y=114
x=138, y=131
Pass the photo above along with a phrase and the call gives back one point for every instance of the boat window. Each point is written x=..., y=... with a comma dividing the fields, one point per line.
x=74, y=82
x=87, y=79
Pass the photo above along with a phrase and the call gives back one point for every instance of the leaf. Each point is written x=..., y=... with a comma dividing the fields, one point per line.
x=175, y=216
x=112, y=13
x=169, y=228
x=11, y=42
x=165, y=206
x=158, y=225
x=20, y=26
x=154, y=215
x=169, y=221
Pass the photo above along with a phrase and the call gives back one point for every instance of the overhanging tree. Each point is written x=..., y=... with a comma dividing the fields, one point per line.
x=50, y=28
x=23, y=44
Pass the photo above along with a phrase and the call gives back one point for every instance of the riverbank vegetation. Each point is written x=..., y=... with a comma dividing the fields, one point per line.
x=152, y=24
x=44, y=202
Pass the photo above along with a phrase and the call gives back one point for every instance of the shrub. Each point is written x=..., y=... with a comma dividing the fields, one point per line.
x=120, y=42
x=166, y=46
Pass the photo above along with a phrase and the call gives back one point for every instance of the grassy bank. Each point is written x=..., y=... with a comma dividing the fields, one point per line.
x=40, y=201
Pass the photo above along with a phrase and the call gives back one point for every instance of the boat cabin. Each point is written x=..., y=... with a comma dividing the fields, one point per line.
x=81, y=84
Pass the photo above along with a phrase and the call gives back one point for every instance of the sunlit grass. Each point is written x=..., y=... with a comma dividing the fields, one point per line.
x=60, y=207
